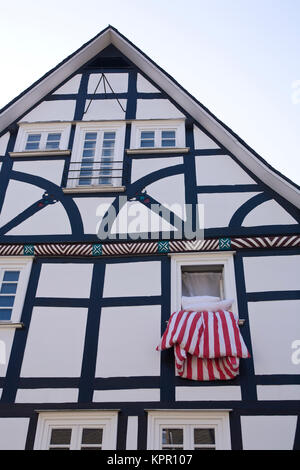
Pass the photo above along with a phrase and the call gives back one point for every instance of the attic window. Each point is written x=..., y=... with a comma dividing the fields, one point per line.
x=158, y=136
x=43, y=141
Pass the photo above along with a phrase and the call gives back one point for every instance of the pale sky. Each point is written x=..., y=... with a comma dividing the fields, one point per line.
x=239, y=58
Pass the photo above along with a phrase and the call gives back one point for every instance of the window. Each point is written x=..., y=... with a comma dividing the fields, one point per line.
x=160, y=134
x=158, y=138
x=14, y=275
x=77, y=430
x=43, y=141
x=45, y=137
x=188, y=430
x=8, y=292
x=201, y=274
x=97, y=159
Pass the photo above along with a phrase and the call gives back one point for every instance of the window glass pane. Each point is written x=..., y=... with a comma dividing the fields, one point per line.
x=88, y=153
x=168, y=135
x=147, y=135
x=6, y=300
x=59, y=448
x=168, y=143
x=91, y=448
x=5, y=314
x=33, y=141
x=61, y=436
x=204, y=436
x=33, y=137
x=11, y=276
x=147, y=143
x=53, y=137
x=92, y=436
x=172, y=436
x=89, y=144
x=205, y=448
x=108, y=143
x=205, y=283
x=10, y=288
x=109, y=135
x=91, y=136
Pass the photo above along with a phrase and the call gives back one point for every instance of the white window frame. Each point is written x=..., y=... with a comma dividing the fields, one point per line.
x=106, y=419
x=79, y=138
x=44, y=129
x=176, y=125
x=224, y=259
x=188, y=419
x=22, y=264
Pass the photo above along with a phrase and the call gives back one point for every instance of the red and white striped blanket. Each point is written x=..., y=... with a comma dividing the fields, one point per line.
x=207, y=345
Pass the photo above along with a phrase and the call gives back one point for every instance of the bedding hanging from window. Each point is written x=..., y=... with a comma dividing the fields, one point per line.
x=207, y=344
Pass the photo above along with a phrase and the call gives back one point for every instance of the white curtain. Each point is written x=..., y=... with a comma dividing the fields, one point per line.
x=201, y=284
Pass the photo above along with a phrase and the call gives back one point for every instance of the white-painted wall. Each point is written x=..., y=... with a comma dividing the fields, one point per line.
x=274, y=326
x=268, y=432
x=62, y=110
x=3, y=143
x=13, y=433
x=127, y=341
x=55, y=342
x=156, y=109
x=218, y=170
x=71, y=280
x=132, y=279
x=70, y=87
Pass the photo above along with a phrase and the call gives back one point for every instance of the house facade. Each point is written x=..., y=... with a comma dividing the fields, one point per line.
x=120, y=194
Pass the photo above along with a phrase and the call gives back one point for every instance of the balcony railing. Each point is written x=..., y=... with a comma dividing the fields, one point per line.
x=103, y=172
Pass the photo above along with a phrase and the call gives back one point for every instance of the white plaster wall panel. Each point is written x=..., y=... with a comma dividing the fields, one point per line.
x=218, y=170
x=156, y=109
x=202, y=141
x=275, y=273
x=170, y=192
x=92, y=210
x=145, y=166
x=47, y=395
x=6, y=339
x=132, y=279
x=135, y=218
x=70, y=87
x=268, y=213
x=118, y=82
x=274, y=325
x=19, y=196
x=208, y=393
x=132, y=395
x=104, y=109
x=3, y=143
x=127, y=341
x=65, y=280
x=55, y=342
x=50, y=170
x=132, y=433
x=52, y=219
x=62, y=110
x=144, y=86
x=275, y=432
x=13, y=433
x=278, y=392
x=219, y=208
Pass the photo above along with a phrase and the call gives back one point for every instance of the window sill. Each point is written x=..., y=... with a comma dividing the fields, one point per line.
x=95, y=189
x=9, y=324
x=147, y=150
x=40, y=153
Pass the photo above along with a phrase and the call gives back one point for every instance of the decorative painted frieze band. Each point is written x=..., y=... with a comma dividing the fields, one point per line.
x=149, y=247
